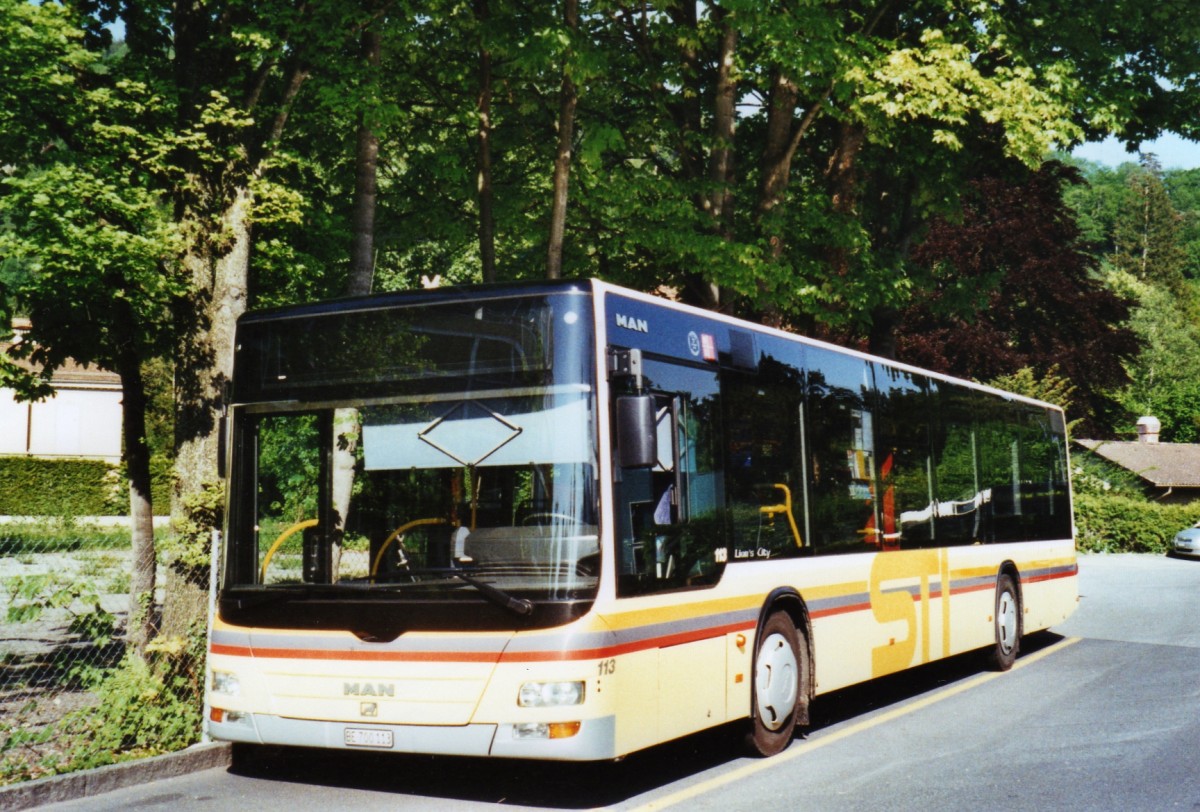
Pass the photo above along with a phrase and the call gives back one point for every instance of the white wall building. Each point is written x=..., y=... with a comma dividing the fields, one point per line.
x=81, y=421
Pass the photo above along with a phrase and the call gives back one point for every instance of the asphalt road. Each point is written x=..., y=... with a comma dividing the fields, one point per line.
x=1102, y=713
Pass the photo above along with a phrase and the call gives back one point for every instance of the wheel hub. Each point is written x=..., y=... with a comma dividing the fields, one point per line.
x=775, y=682
x=1006, y=621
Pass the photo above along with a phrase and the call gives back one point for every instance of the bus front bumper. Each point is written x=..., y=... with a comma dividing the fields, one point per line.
x=595, y=740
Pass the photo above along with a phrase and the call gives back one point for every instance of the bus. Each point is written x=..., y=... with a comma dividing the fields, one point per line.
x=566, y=520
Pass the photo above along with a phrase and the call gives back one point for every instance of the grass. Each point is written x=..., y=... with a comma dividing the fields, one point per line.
x=62, y=536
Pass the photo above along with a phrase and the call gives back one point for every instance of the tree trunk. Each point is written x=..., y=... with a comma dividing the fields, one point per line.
x=844, y=187
x=776, y=163
x=141, y=624
x=882, y=338
x=720, y=168
x=362, y=272
x=366, y=165
x=487, y=224
x=687, y=114
x=204, y=367
x=687, y=106
x=724, y=115
x=214, y=210
x=562, y=160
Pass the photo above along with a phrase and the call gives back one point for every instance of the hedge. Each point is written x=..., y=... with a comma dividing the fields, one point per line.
x=30, y=486
x=1115, y=523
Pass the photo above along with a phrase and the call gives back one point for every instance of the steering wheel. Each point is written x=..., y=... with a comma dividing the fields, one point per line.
x=284, y=536
x=397, y=536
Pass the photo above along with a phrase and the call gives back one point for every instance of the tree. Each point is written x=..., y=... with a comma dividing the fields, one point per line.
x=1164, y=379
x=366, y=174
x=487, y=217
x=1183, y=185
x=568, y=99
x=88, y=246
x=229, y=77
x=1142, y=238
x=1147, y=233
x=1016, y=288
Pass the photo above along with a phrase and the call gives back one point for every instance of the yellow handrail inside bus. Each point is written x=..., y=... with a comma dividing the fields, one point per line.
x=397, y=533
x=284, y=536
x=786, y=510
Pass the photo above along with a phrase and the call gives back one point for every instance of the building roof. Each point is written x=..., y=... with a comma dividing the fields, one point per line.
x=71, y=375
x=1164, y=465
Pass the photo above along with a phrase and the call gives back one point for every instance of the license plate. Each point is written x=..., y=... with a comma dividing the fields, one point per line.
x=359, y=737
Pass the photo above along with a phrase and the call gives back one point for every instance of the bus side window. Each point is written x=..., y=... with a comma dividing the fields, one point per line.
x=841, y=454
x=764, y=459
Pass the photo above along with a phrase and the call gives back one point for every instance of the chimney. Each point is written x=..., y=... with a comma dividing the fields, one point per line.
x=1147, y=429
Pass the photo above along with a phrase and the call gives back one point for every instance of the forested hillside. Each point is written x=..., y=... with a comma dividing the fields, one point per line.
x=1143, y=225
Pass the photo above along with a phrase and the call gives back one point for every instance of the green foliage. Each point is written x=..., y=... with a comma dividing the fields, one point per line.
x=1112, y=523
x=1113, y=514
x=1165, y=377
x=1051, y=387
x=289, y=468
x=1183, y=185
x=1093, y=475
x=29, y=596
x=146, y=706
x=37, y=487
x=60, y=534
x=1147, y=235
x=189, y=550
x=31, y=486
x=23, y=747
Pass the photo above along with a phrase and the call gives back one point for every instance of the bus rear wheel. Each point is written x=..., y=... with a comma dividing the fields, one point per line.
x=1003, y=652
x=776, y=689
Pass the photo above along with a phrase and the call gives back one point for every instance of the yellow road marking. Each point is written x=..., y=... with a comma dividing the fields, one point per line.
x=803, y=748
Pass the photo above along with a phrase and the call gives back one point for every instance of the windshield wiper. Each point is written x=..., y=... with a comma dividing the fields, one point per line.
x=519, y=606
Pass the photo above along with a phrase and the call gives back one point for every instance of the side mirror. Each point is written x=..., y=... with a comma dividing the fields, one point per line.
x=637, y=432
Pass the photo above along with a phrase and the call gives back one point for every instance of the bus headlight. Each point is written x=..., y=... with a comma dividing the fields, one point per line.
x=225, y=682
x=550, y=694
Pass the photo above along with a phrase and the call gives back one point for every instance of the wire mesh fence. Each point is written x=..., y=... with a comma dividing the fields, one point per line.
x=73, y=692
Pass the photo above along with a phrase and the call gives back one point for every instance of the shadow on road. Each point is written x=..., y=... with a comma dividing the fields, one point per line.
x=558, y=785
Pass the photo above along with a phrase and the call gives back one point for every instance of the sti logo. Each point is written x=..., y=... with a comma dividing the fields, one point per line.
x=630, y=323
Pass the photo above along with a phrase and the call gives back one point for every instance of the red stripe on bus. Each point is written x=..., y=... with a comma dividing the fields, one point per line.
x=665, y=641
x=841, y=610
x=485, y=657
x=359, y=655
x=1053, y=576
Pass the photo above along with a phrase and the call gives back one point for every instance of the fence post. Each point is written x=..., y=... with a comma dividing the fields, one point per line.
x=214, y=558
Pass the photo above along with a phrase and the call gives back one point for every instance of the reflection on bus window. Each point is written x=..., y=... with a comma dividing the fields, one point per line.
x=671, y=518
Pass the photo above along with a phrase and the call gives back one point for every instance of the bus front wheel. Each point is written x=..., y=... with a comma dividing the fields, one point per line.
x=1007, y=619
x=776, y=688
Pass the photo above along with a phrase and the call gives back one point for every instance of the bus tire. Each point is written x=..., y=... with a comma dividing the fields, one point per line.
x=1007, y=625
x=775, y=692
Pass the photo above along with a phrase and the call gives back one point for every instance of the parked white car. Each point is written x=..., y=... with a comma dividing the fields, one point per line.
x=1187, y=542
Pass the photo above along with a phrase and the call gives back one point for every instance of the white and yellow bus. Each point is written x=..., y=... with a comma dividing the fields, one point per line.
x=570, y=521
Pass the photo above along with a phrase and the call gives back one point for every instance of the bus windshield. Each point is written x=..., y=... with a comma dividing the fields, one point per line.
x=443, y=458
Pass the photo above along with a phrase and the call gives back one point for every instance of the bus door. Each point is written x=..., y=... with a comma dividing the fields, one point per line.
x=671, y=533
x=670, y=509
